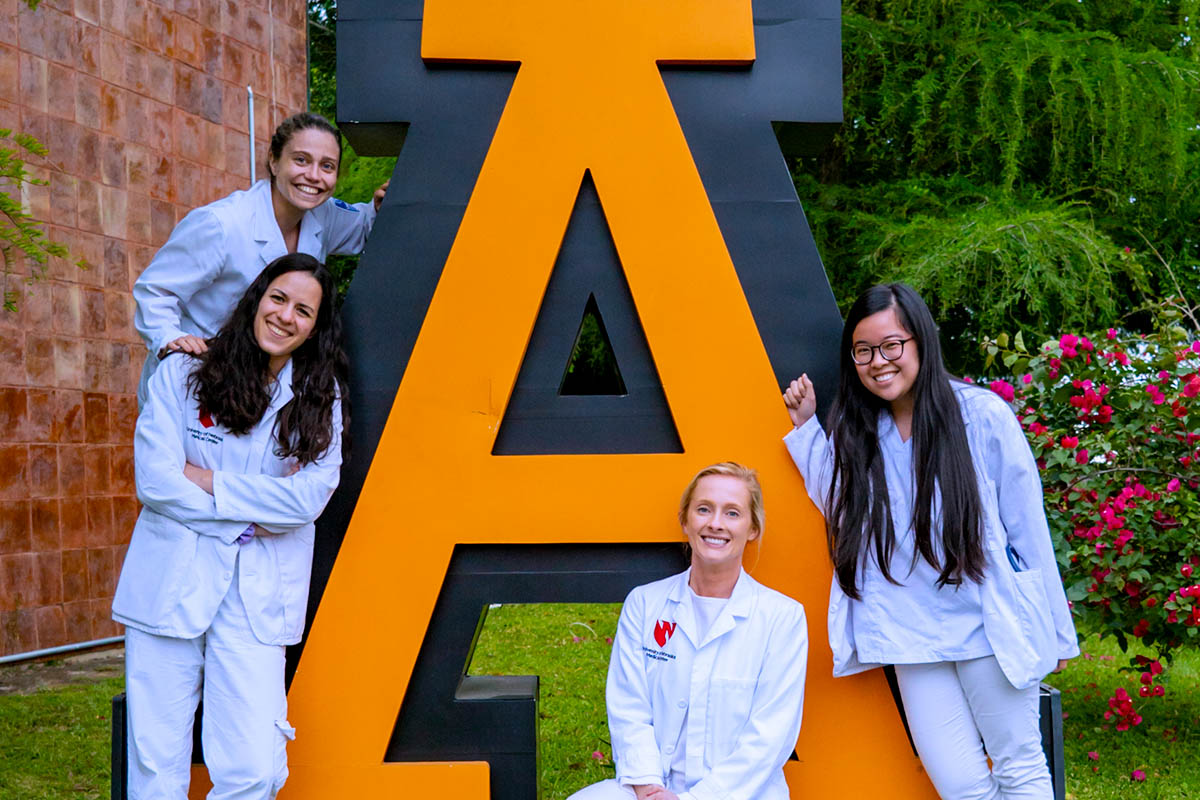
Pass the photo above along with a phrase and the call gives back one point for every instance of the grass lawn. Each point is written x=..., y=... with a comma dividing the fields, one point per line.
x=54, y=743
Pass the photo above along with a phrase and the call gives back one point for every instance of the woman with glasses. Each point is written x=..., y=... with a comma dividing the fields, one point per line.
x=943, y=564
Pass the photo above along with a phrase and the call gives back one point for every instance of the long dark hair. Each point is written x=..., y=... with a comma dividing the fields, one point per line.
x=232, y=381
x=860, y=519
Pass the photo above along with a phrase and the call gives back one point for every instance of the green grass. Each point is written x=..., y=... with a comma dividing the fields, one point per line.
x=1164, y=746
x=541, y=640
x=54, y=744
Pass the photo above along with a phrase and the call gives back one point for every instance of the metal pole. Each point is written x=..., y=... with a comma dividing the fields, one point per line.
x=250, y=104
x=66, y=648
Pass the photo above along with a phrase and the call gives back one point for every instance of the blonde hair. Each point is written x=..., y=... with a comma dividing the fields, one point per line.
x=733, y=470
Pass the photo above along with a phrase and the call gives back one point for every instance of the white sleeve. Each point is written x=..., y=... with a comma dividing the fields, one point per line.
x=1011, y=466
x=627, y=697
x=812, y=453
x=769, y=736
x=346, y=225
x=190, y=260
x=283, y=502
x=158, y=457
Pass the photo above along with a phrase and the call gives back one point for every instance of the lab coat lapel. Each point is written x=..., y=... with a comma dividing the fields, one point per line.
x=680, y=600
x=738, y=607
x=266, y=228
x=311, y=232
x=282, y=392
x=263, y=435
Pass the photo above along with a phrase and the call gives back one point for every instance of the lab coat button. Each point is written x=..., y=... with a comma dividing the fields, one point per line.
x=228, y=576
x=669, y=749
x=683, y=703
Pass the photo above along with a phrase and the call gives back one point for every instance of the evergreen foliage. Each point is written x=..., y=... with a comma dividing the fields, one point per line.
x=1012, y=151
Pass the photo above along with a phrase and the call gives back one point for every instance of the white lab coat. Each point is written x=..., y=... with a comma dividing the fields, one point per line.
x=216, y=251
x=181, y=559
x=1025, y=617
x=742, y=687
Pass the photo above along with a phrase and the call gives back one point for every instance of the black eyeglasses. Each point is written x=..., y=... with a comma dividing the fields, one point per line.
x=864, y=354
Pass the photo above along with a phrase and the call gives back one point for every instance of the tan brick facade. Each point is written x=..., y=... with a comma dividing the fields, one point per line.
x=143, y=106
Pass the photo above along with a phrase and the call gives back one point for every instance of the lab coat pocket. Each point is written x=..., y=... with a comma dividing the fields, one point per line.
x=160, y=554
x=729, y=704
x=284, y=734
x=1034, y=610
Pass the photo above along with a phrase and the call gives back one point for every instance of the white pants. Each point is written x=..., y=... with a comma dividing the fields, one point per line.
x=245, y=728
x=951, y=706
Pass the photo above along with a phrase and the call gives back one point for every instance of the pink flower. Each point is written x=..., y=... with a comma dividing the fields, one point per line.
x=1093, y=755
x=1112, y=333
x=597, y=755
x=1027, y=378
x=1067, y=344
x=1069, y=442
x=1173, y=485
x=1163, y=376
x=1003, y=388
x=1137, y=775
x=1081, y=457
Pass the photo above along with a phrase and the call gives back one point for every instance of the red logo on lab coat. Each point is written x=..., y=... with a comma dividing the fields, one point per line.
x=206, y=418
x=663, y=631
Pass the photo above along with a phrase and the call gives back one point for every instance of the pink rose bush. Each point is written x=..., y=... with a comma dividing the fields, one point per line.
x=1114, y=423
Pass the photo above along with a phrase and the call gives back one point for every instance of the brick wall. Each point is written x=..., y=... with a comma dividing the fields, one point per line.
x=143, y=107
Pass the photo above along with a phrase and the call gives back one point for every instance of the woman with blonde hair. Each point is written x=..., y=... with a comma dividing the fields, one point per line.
x=706, y=682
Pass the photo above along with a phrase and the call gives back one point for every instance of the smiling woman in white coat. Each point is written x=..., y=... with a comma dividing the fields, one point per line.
x=943, y=565
x=236, y=453
x=190, y=286
x=706, y=682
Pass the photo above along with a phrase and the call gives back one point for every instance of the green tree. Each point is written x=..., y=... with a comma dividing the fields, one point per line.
x=1011, y=159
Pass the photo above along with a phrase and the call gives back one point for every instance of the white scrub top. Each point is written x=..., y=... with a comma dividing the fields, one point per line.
x=216, y=251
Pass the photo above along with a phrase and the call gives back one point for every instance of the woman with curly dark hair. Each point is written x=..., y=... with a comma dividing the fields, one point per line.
x=236, y=452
